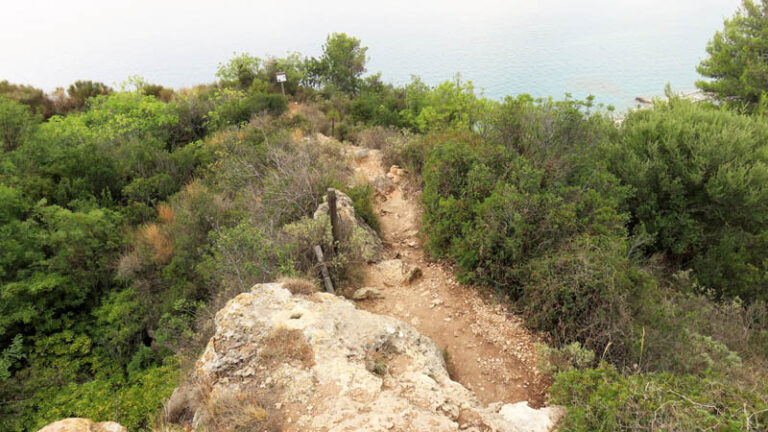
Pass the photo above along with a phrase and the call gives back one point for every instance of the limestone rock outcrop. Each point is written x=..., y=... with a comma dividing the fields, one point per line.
x=353, y=228
x=317, y=363
x=82, y=425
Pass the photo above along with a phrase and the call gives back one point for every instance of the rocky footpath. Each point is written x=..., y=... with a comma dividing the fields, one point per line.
x=315, y=362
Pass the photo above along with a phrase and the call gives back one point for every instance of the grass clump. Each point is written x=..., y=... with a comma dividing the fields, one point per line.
x=284, y=345
x=299, y=286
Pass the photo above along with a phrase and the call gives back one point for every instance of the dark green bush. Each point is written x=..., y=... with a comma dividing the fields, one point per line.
x=80, y=91
x=584, y=292
x=700, y=177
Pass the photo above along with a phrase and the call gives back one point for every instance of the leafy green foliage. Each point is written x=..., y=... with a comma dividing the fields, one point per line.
x=16, y=124
x=236, y=107
x=378, y=103
x=9, y=356
x=127, y=223
x=341, y=65
x=603, y=399
x=135, y=401
x=737, y=57
x=293, y=67
x=701, y=187
x=451, y=104
x=362, y=199
x=69, y=330
x=241, y=69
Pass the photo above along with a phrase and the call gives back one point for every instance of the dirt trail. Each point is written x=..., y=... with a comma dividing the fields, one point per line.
x=488, y=350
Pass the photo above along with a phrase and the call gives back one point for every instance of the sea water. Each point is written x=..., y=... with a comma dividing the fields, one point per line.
x=616, y=50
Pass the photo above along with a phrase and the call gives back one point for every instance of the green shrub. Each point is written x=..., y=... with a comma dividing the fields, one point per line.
x=234, y=107
x=134, y=402
x=583, y=293
x=80, y=91
x=701, y=181
x=603, y=399
x=17, y=123
x=362, y=199
x=556, y=360
x=244, y=256
x=408, y=151
x=376, y=137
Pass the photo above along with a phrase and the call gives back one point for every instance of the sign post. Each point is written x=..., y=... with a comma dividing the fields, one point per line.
x=281, y=78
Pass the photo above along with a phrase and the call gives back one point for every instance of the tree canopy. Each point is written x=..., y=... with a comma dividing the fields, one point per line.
x=342, y=63
x=738, y=56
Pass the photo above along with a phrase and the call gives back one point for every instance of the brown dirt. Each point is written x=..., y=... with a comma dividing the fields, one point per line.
x=487, y=349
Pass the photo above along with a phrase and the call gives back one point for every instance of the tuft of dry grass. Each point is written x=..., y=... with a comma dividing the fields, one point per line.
x=165, y=213
x=299, y=286
x=238, y=412
x=297, y=134
x=285, y=345
x=127, y=265
x=155, y=238
x=232, y=410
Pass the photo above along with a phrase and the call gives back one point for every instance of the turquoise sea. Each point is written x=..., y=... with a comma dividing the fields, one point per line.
x=616, y=50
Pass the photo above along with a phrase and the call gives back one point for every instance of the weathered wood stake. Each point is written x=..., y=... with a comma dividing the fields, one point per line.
x=324, y=270
x=333, y=212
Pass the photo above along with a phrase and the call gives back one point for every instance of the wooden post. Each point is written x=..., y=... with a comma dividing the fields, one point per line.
x=324, y=270
x=333, y=212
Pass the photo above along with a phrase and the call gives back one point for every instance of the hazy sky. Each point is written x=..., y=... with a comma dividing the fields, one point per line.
x=178, y=43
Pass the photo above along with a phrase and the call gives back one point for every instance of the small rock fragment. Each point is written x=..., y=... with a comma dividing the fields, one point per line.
x=413, y=274
x=367, y=293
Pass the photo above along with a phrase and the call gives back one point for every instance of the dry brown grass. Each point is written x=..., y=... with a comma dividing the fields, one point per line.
x=376, y=137
x=224, y=410
x=299, y=286
x=297, y=134
x=286, y=345
x=127, y=265
x=317, y=119
x=158, y=242
x=237, y=412
x=165, y=213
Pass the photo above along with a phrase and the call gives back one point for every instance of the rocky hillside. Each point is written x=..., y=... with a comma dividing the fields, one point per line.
x=315, y=362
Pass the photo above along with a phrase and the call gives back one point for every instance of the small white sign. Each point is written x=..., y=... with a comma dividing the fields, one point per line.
x=281, y=77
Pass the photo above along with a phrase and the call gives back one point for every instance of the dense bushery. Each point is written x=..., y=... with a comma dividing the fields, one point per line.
x=638, y=248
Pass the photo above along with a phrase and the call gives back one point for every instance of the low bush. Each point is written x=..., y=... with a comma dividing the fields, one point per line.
x=700, y=178
x=553, y=361
x=376, y=137
x=407, y=151
x=362, y=197
x=17, y=122
x=603, y=399
x=583, y=293
x=238, y=412
x=299, y=286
